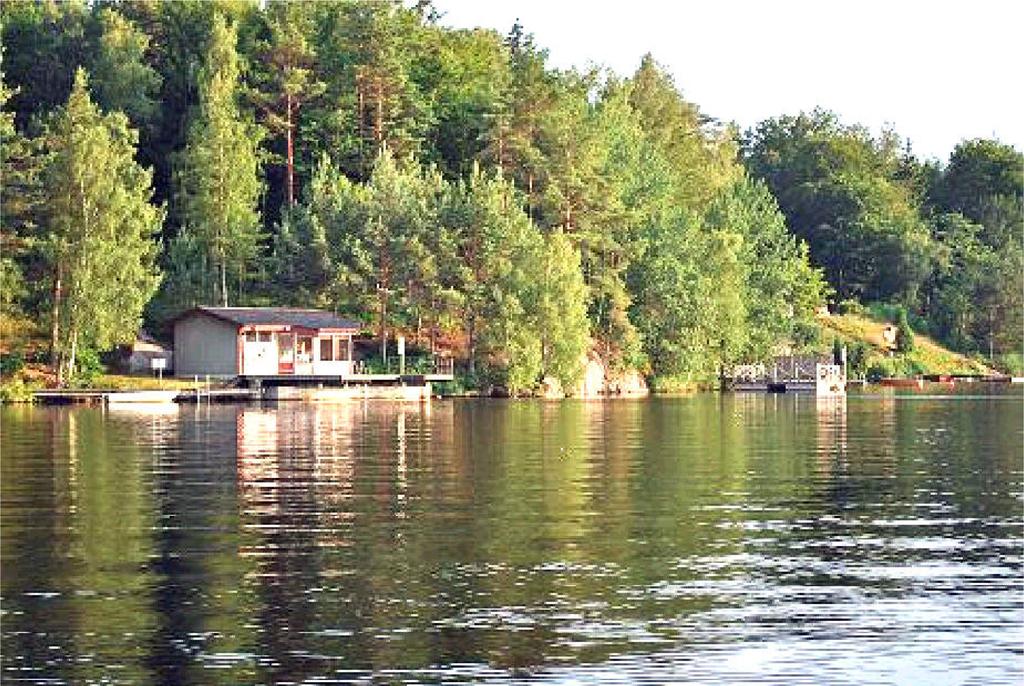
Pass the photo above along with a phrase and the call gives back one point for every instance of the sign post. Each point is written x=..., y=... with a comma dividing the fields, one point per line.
x=158, y=365
x=401, y=355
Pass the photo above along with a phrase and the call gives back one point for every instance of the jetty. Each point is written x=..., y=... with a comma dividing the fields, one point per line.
x=789, y=374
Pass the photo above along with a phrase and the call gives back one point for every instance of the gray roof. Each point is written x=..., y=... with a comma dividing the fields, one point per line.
x=287, y=316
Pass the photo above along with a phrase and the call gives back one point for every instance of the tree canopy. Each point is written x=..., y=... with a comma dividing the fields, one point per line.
x=452, y=186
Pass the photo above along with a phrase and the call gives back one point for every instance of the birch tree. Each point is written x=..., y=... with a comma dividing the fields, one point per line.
x=100, y=230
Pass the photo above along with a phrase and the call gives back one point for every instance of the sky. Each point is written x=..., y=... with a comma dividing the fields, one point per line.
x=936, y=72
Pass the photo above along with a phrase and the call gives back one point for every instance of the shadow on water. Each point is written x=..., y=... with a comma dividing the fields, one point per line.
x=733, y=538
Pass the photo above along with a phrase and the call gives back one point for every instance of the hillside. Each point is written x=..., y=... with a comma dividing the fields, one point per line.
x=928, y=357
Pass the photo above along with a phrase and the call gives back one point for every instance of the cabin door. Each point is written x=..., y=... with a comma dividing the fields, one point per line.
x=304, y=355
x=286, y=353
x=259, y=356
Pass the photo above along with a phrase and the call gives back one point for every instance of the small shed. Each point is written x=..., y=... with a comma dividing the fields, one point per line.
x=143, y=351
x=263, y=342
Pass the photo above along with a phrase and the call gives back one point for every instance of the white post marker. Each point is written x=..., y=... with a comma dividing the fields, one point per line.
x=158, y=364
x=401, y=355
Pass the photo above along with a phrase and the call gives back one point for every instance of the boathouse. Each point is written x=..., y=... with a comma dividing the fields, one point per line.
x=260, y=342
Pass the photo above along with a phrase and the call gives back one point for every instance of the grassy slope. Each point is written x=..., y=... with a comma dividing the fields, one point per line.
x=928, y=354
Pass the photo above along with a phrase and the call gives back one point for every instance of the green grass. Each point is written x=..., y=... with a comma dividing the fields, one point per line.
x=928, y=357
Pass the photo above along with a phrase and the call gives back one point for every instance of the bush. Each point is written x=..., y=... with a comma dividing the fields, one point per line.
x=849, y=306
x=880, y=369
x=460, y=385
x=11, y=363
x=806, y=334
x=1011, y=363
x=904, y=334
x=89, y=368
x=857, y=354
x=17, y=391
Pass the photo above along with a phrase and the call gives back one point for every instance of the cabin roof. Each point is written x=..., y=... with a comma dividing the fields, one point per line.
x=277, y=316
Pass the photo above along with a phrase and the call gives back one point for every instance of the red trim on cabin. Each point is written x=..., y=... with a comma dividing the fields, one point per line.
x=240, y=350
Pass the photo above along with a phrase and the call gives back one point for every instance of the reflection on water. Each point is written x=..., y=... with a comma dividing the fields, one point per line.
x=744, y=538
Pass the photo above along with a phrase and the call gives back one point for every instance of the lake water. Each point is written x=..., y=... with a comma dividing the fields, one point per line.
x=707, y=539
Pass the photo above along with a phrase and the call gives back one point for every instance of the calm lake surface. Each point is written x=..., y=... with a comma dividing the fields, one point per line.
x=708, y=539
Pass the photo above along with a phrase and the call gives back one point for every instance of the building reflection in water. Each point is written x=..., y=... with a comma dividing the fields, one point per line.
x=321, y=488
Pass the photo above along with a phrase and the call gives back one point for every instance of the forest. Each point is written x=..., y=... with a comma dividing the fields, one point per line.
x=451, y=185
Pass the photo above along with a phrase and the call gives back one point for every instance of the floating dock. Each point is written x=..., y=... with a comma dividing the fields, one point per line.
x=106, y=397
x=388, y=387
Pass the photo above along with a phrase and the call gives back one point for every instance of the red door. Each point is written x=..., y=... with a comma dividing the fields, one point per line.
x=286, y=353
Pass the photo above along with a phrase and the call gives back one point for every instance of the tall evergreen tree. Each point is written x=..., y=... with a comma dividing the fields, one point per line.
x=289, y=81
x=219, y=176
x=122, y=79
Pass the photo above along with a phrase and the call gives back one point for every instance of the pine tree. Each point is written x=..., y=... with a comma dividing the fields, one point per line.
x=122, y=80
x=219, y=179
x=100, y=230
x=289, y=80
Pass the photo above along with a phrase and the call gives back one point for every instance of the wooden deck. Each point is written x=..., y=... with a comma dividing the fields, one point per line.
x=348, y=379
x=107, y=397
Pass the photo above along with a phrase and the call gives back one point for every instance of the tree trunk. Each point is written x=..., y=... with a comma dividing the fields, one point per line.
x=378, y=127
x=529, y=196
x=55, y=357
x=433, y=325
x=73, y=357
x=383, y=328
x=291, y=151
x=471, y=344
x=224, y=282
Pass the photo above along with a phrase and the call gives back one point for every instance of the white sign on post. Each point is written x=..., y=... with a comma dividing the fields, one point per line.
x=401, y=354
x=158, y=365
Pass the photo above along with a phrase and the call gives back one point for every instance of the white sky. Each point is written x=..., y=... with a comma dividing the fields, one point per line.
x=938, y=72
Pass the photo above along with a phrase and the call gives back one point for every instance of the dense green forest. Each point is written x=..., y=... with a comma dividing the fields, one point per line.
x=450, y=184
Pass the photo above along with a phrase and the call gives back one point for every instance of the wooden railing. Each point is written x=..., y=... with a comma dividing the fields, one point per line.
x=444, y=365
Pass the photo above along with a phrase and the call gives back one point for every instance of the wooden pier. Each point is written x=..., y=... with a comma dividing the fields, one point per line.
x=789, y=374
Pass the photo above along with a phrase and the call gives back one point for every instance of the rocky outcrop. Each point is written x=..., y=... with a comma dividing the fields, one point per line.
x=598, y=381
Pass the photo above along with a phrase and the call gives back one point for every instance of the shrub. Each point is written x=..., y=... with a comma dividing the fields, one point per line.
x=11, y=363
x=17, y=391
x=904, y=334
x=1012, y=363
x=89, y=368
x=849, y=306
x=880, y=369
x=857, y=359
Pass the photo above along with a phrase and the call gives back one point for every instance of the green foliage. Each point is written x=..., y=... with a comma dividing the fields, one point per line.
x=857, y=354
x=11, y=363
x=218, y=182
x=1012, y=363
x=850, y=306
x=843, y=193
x=451, y=185
x=17, y=390
x=89, y=368
x=100, y=227
x=984, y=182
x=904, y=334
x=122, y=79
x=561, y=308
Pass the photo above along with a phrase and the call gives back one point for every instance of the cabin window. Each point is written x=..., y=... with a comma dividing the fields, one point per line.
x=341, y=348
x=326, y=349
x=265, y=336
x=304, y=349
x=250, y=337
